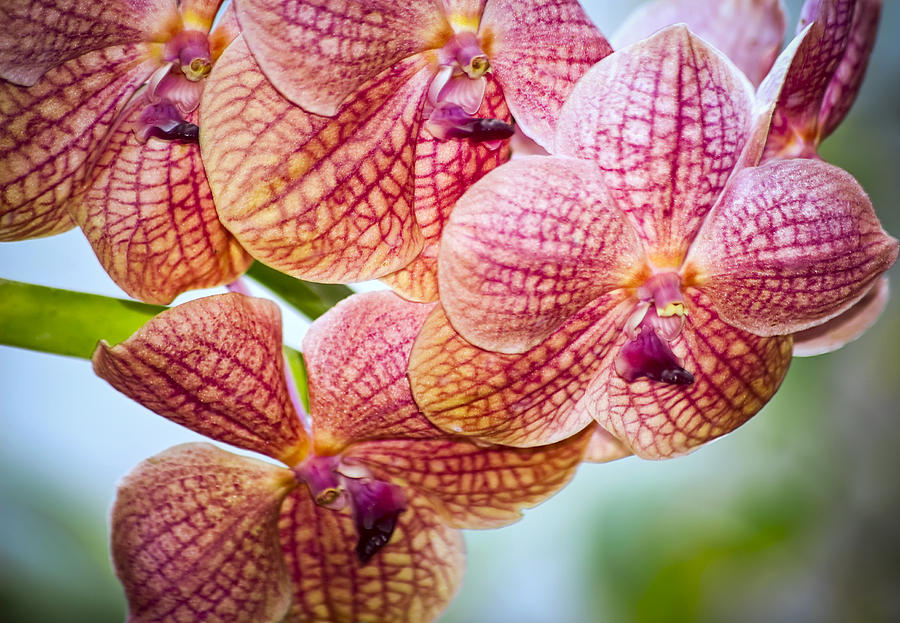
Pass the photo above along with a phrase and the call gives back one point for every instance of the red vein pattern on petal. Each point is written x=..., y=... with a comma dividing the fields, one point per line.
x=411, y=580
x=791, y=244
x=538, y=49
x=37, y=35
x=666, y=120
x=475, y=486
x=47, y=132
x=356, y=358
x=522, y=400
x=319, y=52
x=215, y=366
x=149, y=214
x=749, y=32
x=846, y=327
x=529, y=245
x=195, y=538
x=444, y=170
x=735, y=374
x=317, y=198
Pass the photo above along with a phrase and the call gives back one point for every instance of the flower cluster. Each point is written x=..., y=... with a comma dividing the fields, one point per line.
x=640, y=286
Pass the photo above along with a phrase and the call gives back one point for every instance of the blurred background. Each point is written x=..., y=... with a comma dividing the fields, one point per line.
x=792, y=518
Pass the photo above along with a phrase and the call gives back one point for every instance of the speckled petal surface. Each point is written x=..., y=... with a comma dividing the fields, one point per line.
x=750, y=32
x=49, y=130
x=320, y=199
x=356, y=358
x=444, y=170
x=319, y=52
x=791, y=244
x=538, y=49
x=37, y=35
x=475, y=486
x=411, y=580
x=846, y=327
x=195, y=538
x=215, y=366
x=735, y=373
x=149, y=215
x=528, y=246
x=522, y=400
x=665, y=120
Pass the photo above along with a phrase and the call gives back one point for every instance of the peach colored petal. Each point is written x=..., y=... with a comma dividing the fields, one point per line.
x=411, y=580
x=790, y=245
x=604, y=447
x=665, y=120
x=215, y=366
x=519, y=400
x=319, y=52
x=735, y=374
x=149, y=215
x=195, y=538
x=320, y=199
x=47, y=133
x=528, y=246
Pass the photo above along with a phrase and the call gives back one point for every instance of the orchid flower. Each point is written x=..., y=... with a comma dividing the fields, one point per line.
x=97, y=129
x=750, y=32
x=361, y=524
x=645, y=275
x=337, y=149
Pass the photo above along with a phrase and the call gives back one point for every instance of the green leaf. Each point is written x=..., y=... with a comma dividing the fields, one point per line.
x=310, y=299
x=66, y=322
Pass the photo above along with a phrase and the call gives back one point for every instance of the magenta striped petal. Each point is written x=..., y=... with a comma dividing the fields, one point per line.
x=320, y=199
x=48, y=131
x=846, y=327
x=148, y=213
x=749, y=32
x=735, y=374
x=665, y=120
x=791, y=244
x=473, y=485
x=37, y=35
x=529, y=245
x=522, y=400
x=411, y=580
x=538, y=50
x=195, y=538
x=444, y=170
x=215, y=366
x=356, y=357
x=318, y=52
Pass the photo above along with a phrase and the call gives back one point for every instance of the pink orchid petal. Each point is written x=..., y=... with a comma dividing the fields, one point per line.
x=317, y=198
x=215, y=366
x=195, y=538
x=735, y=374
x=38, y=35
x=749, y=32
x=47, y=133
x=226, y=31
x=356, y=359
x=844, y=328
x=528, y=246
x=411, y=580
x=319, y=52
x=791, y=244
x=848, y=76
x=604, y=447
x=475, y=486
x=665, y=120
x=149, y=215
x=444, y=170
x=199, y=14
x=538, y=49
x=517, y=400
x=801, y=76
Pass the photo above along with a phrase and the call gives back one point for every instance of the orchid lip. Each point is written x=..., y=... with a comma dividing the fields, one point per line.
x=448, y=121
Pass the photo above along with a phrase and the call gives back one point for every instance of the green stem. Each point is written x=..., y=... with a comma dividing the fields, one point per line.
x=310, y=299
